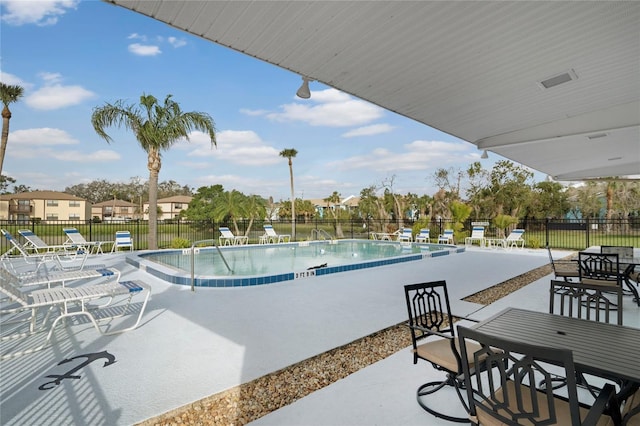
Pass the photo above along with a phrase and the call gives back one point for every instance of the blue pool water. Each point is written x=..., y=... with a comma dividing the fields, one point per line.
x=266, y=264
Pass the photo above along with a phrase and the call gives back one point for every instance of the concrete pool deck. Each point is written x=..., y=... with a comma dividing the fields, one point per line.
x=194, y=344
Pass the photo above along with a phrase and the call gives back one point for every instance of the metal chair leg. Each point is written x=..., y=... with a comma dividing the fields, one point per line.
x=432, y=387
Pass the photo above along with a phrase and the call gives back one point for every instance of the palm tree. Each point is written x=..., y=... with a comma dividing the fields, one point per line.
x=230, y=204
x=291, y=153
x=8, y=95
x=156, y=127
x=255, y=208
x=334, y=209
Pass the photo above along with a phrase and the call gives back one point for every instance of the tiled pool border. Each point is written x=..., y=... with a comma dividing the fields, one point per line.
x=177, y=277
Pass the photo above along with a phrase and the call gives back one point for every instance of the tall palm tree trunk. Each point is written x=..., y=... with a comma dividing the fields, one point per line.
x=293, y=203
x=6, y=116
x=153, y=165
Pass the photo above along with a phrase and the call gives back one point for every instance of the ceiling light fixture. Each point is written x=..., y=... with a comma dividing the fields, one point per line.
x=484, y=155
x=304, y=92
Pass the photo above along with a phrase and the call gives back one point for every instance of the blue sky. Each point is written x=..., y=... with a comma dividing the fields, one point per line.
x=73, y=56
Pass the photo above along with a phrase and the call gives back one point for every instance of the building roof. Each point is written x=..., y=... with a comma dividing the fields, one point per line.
x=186, y=199
x=118, y=203
x=41, y=195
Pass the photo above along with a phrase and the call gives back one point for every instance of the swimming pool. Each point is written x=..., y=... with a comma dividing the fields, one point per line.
x=271, y=263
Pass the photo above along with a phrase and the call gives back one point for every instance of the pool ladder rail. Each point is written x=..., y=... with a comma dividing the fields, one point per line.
x=321, y=234
x=194, y=251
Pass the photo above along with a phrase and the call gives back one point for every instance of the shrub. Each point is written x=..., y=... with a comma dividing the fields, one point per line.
x=533, y=242
x=502, y=222
x=180, y=243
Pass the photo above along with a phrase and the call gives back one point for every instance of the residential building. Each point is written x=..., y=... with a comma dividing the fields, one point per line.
x=170, y=207
x=349, y=203
x=115, y=210
x=43, y=205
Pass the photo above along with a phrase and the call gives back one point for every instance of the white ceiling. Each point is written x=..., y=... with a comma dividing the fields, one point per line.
x=470, y=69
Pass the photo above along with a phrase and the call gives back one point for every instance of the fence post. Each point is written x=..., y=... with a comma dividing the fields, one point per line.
x=588, y=233
x=546, y=231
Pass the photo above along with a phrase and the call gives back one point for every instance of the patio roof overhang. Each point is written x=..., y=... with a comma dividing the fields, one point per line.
x=551, y=85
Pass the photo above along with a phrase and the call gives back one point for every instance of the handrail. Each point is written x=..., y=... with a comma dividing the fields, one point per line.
x=320, y=232
x=193, y=279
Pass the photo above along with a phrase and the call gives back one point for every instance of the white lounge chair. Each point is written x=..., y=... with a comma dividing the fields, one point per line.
x=227, y=237
x=123, y=241
x=477, y=235
x=38, y=259
x=423, y=236
x=36, y=244
x=270, y=236
x=406, y=235
x=76, y=240
x=514, y=239
x=446, y=237
x=69, y=302
x=49, y=278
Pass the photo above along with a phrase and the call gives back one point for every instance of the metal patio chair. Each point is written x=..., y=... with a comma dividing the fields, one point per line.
x=433, y=339
x=564, y=269
x=500, y=380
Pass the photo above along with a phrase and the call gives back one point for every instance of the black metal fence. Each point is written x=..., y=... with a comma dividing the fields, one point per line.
x=567, y=234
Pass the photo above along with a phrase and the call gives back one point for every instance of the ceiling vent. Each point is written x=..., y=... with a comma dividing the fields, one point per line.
x=558, y=79
x=597, y=136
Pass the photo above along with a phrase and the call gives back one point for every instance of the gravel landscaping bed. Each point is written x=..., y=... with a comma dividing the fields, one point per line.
x=250, y=401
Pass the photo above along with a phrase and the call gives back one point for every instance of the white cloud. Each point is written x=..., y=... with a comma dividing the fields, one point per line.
x=57, y=96
x=374, y=129
x=144, y=50
x=243, y=147
x=417, y=155
x=177, y=42
x=11, y=79
x=73, y=156
x=136, y=36
x=330, y=108
x=253, y=112
x=50, y=77
x=41, y=13
x=44, y=136
x=86, y=157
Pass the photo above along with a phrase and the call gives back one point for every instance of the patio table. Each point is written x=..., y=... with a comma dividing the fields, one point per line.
x=629, y=264
x=601, y=349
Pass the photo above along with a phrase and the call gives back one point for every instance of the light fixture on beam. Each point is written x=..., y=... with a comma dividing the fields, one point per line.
x=484, y=155
x=304, y=92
